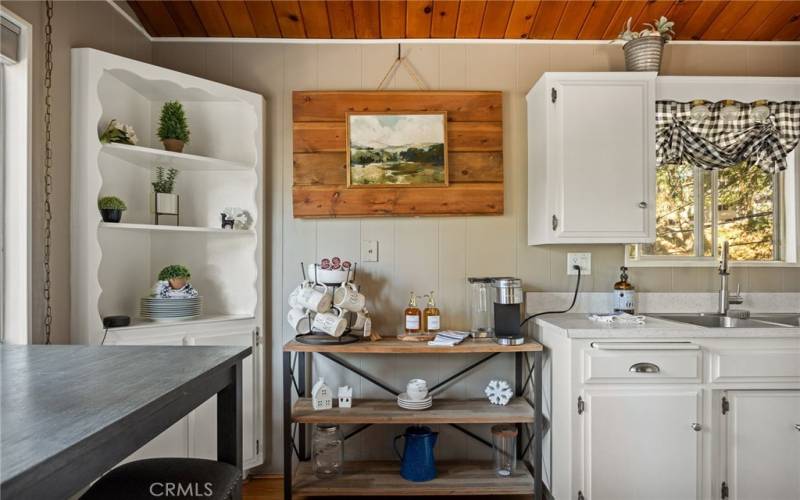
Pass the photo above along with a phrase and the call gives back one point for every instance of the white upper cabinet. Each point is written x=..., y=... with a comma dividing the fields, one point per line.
x=591, y=158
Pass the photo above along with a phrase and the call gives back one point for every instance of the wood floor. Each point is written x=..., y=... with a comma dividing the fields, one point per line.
x=271, y=488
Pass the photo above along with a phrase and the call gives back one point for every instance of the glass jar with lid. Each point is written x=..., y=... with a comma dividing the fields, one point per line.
x=481, y=310
x=327, y=450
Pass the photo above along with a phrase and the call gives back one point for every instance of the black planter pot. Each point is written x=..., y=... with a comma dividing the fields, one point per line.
x=111, y=215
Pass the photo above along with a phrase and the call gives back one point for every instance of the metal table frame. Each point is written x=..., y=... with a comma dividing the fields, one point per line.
x=295, y=376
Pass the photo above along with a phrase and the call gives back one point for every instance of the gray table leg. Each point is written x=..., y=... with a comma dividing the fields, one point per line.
x=229, y=423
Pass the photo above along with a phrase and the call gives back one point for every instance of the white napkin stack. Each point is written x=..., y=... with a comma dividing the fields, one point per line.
x=618, y=317
x=448, y=338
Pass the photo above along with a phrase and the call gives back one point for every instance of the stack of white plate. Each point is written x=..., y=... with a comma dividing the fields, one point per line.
x=405, y=402
x=160, y=309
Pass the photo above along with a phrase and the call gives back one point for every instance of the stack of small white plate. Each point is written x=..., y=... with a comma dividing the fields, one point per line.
x=160, y=309
x=405, y=402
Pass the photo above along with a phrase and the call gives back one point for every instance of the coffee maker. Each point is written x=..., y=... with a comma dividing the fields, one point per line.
x=508, y=310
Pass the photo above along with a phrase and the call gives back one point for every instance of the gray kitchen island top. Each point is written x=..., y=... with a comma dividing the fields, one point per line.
x=70, y=413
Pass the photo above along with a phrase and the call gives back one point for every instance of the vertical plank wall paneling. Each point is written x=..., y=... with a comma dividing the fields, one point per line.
x=438, y=253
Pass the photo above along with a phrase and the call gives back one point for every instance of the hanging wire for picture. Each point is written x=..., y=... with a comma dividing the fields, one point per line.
x=48, y=166
x=402, y=61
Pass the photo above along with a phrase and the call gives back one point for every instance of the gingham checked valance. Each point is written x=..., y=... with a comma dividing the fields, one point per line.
x=714, y=143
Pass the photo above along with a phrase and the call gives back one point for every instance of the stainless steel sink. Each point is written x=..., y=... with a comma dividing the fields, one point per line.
x=711, y=320
x=781, y=319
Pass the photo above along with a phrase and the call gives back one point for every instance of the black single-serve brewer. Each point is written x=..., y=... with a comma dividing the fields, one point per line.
x=508, y=310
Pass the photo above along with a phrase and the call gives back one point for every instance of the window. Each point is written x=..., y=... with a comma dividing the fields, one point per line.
x=696, y=209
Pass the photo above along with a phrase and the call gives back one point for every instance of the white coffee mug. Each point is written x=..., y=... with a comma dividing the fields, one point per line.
x=315, y=297
x=347, y=297
x=331, y=323
x=417, y=389
x=293, y=302
x=298, y=318
x=361, y=319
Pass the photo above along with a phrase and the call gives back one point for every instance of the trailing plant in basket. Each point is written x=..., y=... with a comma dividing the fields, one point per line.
x=165, y=180
x=661, y=27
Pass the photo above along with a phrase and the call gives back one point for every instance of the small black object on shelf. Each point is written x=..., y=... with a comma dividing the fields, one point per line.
x=111, y=214
x=226, y=222
x=116, y=321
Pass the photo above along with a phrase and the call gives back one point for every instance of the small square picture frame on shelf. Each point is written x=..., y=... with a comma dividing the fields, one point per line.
x=397, y=149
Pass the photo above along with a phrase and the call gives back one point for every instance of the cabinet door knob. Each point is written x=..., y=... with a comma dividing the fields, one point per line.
x=644, y=368
x=797, y=426
x=555, y=222
x=642, y=204
x=696, y=427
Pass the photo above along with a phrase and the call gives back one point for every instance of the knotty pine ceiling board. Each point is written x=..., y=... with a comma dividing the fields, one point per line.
x=711, y=20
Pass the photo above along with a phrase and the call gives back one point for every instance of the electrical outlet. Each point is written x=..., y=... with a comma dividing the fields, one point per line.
x=583, y=259
x=369, y=251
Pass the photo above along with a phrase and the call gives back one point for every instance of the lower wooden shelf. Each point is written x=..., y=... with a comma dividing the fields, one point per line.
x=444, y=411
x=457, y=478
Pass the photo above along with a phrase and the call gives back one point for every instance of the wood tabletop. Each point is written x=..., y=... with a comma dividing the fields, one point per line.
x=443, y=411
x=71, y=406
x=391, y=345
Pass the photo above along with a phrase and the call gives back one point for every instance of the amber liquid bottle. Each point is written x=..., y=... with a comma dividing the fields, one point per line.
x=413, y=316
x=431, y=317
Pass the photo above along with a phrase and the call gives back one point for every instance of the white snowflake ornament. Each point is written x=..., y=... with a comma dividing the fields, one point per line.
x=499, y=392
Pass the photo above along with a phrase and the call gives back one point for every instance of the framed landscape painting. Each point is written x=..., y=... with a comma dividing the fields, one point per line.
x=397, y=149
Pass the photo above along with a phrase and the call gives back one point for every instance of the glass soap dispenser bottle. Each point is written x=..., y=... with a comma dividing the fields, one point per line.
x=431, y=317
x=413, y=316
x=624, y=293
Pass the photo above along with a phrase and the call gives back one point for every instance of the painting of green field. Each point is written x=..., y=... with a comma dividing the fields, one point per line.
x=397, y=149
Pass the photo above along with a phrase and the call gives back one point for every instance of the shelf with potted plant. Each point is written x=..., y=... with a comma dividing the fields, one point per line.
x=185, y=229
x=145, y=157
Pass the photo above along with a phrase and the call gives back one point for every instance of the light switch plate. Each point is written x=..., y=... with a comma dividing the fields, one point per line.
x=369, y=251
x=583, y=259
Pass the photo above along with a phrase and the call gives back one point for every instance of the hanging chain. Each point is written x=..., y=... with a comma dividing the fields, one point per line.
x=48, y=165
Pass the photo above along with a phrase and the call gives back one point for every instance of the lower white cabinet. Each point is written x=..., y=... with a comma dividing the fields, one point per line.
x=762, y=445
x=641, y=444
x=196, y=434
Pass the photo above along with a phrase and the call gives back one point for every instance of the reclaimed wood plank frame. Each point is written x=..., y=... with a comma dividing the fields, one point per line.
x=474, y=156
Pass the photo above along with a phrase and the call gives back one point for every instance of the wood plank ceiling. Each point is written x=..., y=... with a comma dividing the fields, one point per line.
x=763, y=20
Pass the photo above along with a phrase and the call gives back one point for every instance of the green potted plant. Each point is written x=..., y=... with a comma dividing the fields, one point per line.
x=165, y=201
x=111, y=208
x=172, y=127
x=643, y=49
x=176, y=274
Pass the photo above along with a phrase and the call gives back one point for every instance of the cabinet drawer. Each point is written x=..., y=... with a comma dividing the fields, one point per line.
x=642, y=366
x=756, y=365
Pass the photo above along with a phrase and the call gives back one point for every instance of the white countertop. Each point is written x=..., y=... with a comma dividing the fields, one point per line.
x=579, y=326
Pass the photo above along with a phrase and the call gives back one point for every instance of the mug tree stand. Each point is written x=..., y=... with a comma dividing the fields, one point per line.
x=321, y=338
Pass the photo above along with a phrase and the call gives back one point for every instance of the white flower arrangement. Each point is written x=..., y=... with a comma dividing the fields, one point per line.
x=120, y=133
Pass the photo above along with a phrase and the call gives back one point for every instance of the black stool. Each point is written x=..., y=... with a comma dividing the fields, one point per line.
x=172, y=478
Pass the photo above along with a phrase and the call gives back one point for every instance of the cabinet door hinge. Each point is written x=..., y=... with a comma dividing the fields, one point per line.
x=258, y=446
x=580, y=495
x=553, y=94
x=257, y=334
x=724, y=490
x=726, y=405
x=581, y=405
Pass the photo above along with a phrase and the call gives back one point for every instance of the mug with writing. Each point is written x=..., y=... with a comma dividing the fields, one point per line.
x=314, y=296
x=298, y=318
x=361, y=320
x=332, y=323
x=347, y=297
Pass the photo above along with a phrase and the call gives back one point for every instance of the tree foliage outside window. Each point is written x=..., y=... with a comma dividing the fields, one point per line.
x=736, y=204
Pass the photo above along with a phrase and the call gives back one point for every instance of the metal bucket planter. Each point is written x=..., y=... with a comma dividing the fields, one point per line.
x=644, y=54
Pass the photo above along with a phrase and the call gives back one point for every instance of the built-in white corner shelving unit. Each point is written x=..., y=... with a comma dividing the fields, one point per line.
x=114, y=265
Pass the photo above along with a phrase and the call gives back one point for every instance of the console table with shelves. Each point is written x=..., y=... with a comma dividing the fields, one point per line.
x=383, y=477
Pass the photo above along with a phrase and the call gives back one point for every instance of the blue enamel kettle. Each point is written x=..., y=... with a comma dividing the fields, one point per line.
x=417, y=462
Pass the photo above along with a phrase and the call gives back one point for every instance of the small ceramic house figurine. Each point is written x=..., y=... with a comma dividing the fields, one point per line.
x=345, y=397
x=321, y=396
x=499, y=392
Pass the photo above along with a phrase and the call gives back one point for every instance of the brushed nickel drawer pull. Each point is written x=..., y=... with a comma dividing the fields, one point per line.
x=696, y=427
x=644, y=368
